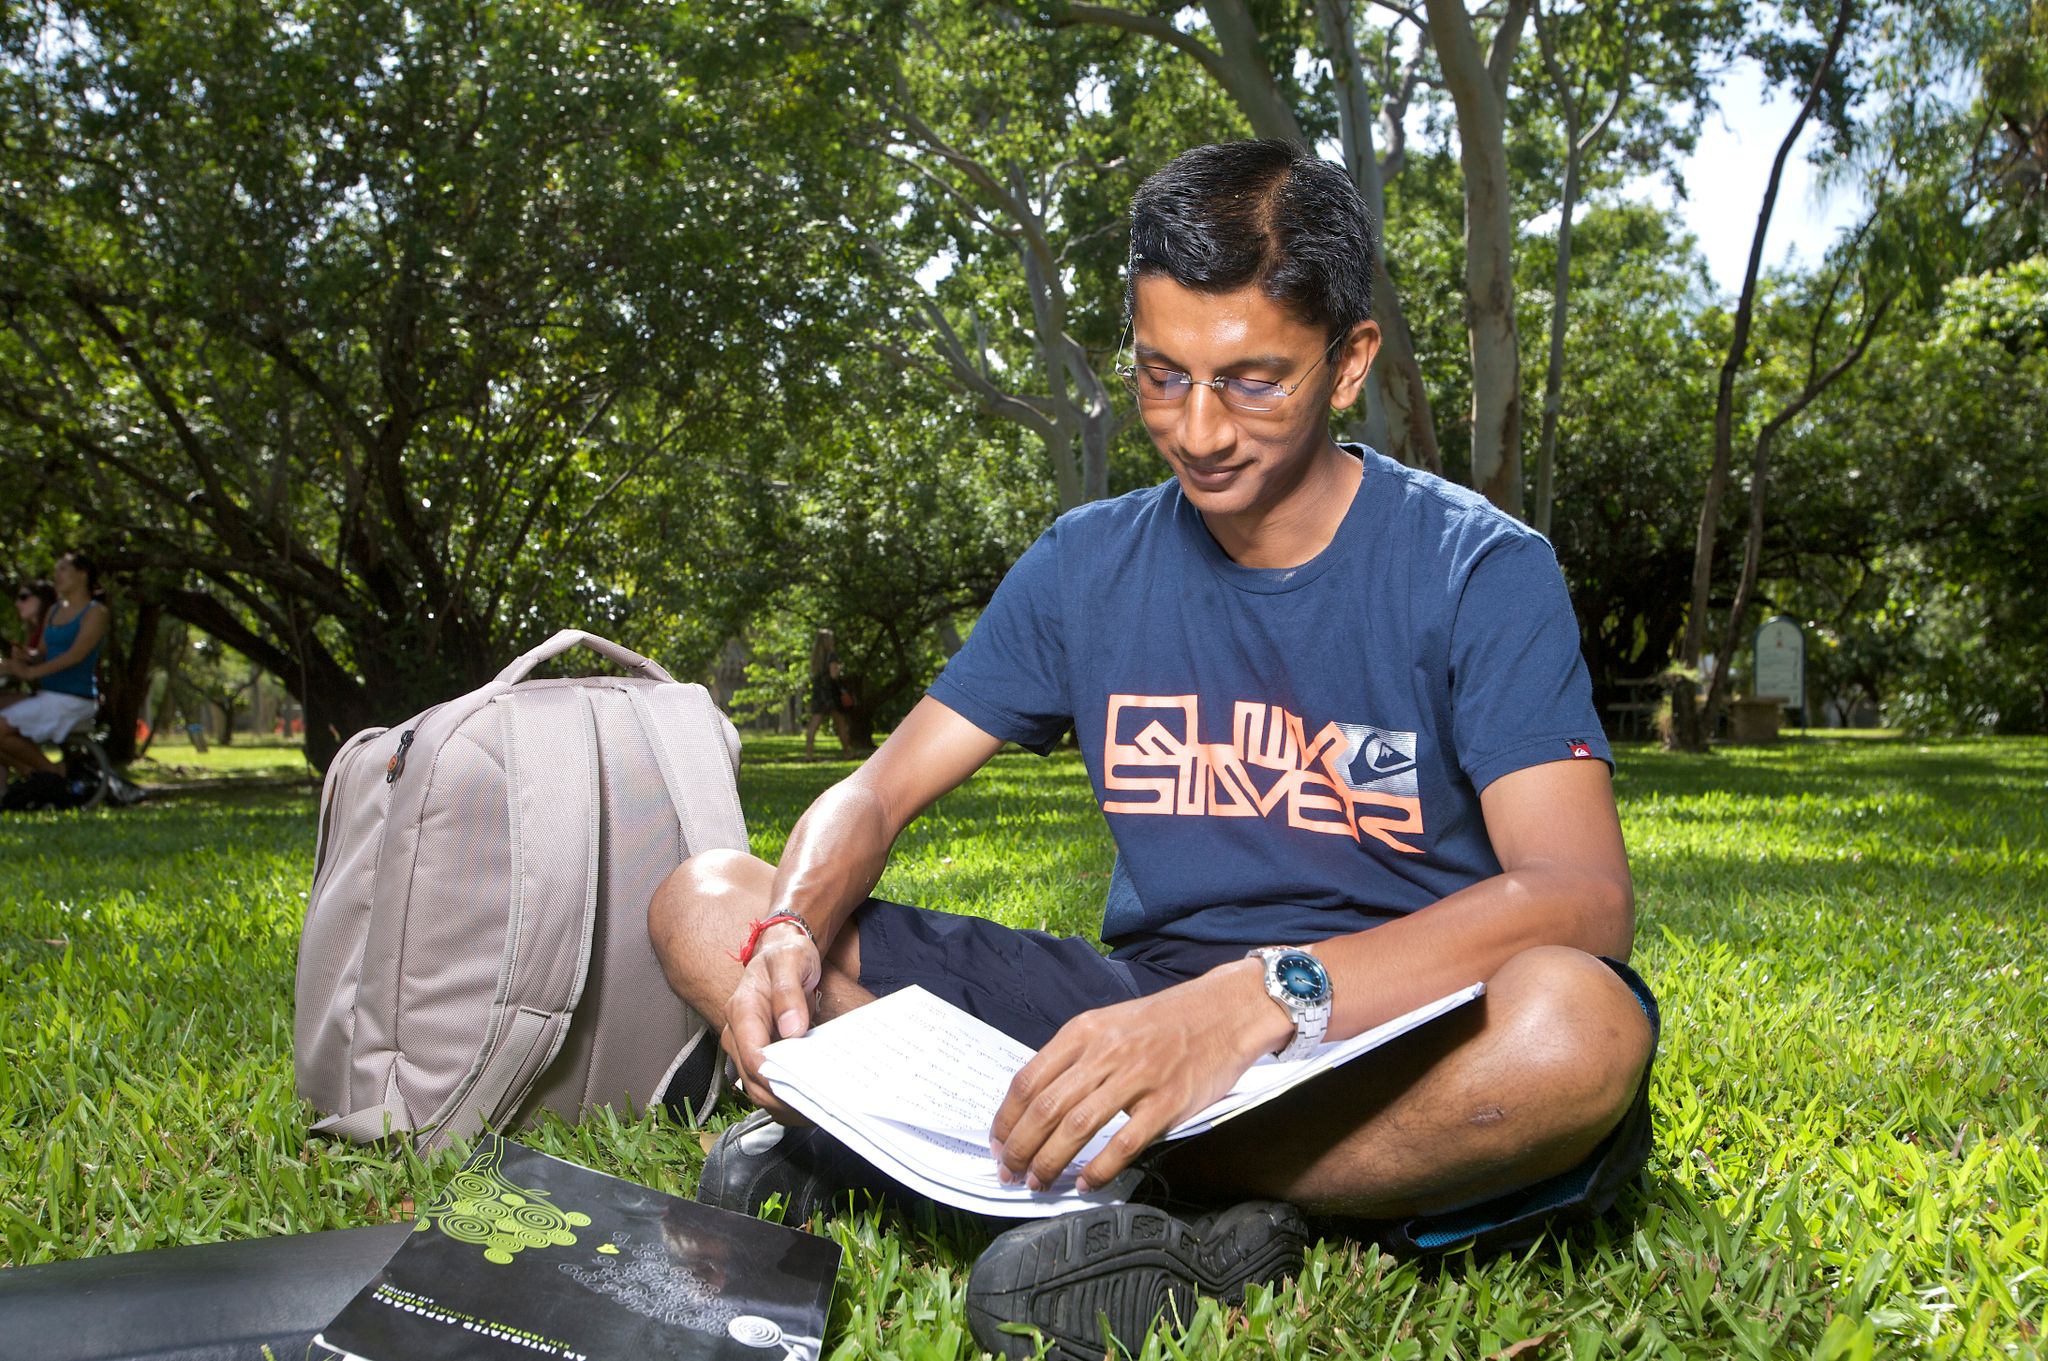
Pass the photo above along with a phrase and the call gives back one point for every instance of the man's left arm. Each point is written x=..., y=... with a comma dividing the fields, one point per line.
x=1564, y=881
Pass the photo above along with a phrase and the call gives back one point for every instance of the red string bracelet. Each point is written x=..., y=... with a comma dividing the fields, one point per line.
x=754, y=930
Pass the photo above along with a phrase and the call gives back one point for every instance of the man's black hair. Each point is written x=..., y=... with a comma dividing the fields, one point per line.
x=1264, y=214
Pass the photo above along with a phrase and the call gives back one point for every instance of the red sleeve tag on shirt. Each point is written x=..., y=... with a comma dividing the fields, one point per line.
x=1581, y=748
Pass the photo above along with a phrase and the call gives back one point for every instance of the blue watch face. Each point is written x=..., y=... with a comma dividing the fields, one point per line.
x=1302, y=976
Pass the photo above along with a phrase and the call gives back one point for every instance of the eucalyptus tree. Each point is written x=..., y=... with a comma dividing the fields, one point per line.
x=353, y=323
x=1012, y=169
x=1626, y=84
x=1915, y=233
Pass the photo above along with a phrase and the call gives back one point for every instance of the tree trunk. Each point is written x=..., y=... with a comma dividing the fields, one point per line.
x=1553, y=376
x=1399, y=412
x=128, y=683
x=860, y=725
x=337, y=708
x=1489, y=246
x=1693, y=736
x=1745, y=582
x=1247, y=76
x=1397, y=381
x=1759, y=481
x=1576, y=149
x=167, y=702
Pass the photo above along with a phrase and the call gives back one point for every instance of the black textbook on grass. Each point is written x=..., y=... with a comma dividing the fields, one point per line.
x=525, y=1257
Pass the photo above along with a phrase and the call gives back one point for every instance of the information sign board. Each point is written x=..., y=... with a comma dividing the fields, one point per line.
x=1780, y=672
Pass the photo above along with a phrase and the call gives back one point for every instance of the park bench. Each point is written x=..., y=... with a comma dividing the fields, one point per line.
x=1634, y=715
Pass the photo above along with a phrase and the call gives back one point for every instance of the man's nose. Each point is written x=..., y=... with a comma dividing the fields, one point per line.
x=1205, y=424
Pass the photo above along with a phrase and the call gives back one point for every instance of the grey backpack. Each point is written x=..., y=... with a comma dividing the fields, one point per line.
x=475, y=947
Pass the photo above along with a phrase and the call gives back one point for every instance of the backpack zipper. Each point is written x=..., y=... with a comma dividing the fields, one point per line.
x=395, y=767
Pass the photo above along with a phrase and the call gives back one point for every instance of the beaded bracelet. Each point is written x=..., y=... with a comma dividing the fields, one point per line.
x=754, y=930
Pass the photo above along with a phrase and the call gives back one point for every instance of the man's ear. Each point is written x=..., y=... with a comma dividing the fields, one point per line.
x=1353, y=362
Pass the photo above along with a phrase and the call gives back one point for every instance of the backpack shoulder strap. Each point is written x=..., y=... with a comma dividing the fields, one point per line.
x=551, y=783
x=698, y=763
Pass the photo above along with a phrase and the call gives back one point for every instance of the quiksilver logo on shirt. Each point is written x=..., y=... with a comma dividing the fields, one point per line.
x=1347, y=779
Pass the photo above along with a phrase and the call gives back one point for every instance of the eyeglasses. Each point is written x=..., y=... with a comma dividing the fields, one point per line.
x=1160, y=386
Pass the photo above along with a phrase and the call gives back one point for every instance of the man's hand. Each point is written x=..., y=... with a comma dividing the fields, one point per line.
x=1159, y=1058
x=772, y=1002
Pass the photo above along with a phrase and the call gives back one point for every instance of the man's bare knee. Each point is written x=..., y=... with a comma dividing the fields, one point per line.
x=1578, y=1035
x=698, y=917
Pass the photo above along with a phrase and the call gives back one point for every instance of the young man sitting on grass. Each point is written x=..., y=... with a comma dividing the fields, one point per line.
x=1335, y=714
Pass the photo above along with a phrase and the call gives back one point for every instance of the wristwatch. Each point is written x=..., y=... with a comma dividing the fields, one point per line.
x=1297, y=980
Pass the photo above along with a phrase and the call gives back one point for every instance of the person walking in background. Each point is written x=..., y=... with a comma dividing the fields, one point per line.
x=32, y=602
x=74, y=631
x=830, y=697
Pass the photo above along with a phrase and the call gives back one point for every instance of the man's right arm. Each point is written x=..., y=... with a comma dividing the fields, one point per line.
x=834, y=858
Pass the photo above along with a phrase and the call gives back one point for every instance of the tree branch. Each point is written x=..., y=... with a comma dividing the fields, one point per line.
x=1154, y=26
x=1500, y=55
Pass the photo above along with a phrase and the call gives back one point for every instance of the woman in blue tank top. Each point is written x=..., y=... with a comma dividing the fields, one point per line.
x=67, y=692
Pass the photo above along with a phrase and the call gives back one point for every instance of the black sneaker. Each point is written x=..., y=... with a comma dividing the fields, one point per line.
x=757, y=1159
x=697, y=1084
x=1126, y=1265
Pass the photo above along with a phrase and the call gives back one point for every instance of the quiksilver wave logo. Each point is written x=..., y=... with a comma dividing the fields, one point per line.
x=1379, y=760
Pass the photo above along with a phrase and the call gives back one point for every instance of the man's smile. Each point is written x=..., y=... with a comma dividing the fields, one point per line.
x=1211, y=478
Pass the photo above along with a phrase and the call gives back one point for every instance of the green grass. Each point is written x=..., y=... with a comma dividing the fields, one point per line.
x=1846, y=937
x=180, y=763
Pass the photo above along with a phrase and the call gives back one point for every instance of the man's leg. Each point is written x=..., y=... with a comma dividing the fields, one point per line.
x=700, y=917
x=1499, y=1095
x=1496, y=1097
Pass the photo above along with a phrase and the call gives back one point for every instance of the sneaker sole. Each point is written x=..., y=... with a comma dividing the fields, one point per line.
x=1130, y=1264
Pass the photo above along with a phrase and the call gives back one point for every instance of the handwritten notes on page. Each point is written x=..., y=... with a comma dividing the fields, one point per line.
x=912, y=1084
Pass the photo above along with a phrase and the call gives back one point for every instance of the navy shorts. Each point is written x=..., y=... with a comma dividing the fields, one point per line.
x=1028, y=984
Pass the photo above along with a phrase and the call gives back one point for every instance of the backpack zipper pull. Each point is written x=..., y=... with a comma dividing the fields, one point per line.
x=395, y=767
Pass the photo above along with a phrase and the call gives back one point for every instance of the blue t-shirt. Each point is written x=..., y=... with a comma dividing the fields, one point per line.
x=1285, y=755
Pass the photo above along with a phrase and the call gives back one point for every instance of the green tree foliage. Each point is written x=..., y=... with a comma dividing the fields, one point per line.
x=1636, y=395
x=360, y=320
x=376, y=343
x=1932, y=596
x=901, y=516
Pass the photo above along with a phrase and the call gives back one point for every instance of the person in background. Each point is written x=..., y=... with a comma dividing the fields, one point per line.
x=74, y=632
x=32, y=602
x=828, y=693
